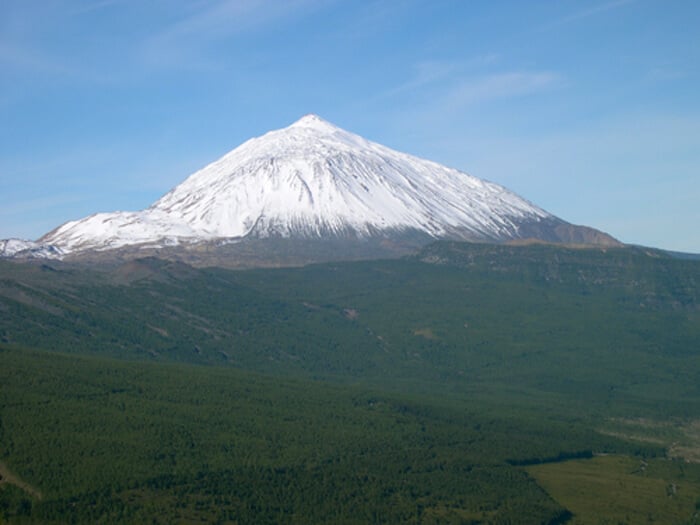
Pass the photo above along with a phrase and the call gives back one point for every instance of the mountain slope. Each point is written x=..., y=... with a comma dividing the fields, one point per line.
x=467, y=317
x=315, y=180
x=21, y=248
x=411, y=389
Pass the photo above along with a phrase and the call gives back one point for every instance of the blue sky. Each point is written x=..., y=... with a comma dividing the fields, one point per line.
x=590, y=109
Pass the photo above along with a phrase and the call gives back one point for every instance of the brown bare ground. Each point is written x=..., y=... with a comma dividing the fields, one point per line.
x=427, y=333
x=8, y=477
x=685, y=445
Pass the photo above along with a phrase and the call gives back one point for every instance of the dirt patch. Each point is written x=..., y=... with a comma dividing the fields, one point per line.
x=158, y=330
x=311, y=306
x=681, y=438
x=351, y=313
x=8, y=477
x=426, y=333
x=690, y=449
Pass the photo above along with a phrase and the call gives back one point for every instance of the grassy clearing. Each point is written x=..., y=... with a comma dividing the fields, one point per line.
x=680, y=437
x=622, y=489
x=689, y=447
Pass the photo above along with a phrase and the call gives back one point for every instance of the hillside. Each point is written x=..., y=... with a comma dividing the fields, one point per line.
x=623, y=321
x=418, y=389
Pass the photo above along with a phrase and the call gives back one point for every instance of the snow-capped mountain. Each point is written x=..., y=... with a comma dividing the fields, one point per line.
x=310, y=182
x=19, y=248
x=313, y=180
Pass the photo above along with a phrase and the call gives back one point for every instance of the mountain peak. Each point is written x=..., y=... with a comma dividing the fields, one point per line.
x=315, y=122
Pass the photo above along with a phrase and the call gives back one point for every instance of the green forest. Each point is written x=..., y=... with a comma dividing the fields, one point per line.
x=466, y=384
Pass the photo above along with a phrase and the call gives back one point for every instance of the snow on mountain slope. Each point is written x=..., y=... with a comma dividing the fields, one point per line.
x=311, y=179
x=19, y=248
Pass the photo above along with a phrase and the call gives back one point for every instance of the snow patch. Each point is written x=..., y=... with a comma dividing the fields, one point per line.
x=20, y=248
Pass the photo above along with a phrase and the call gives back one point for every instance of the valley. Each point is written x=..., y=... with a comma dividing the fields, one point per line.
x=450, y=386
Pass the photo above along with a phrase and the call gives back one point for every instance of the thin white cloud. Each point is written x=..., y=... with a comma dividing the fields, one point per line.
x=96, y=5
x=472, y=91
x=429, y=72
x=442, y=92
x=425, y=73
x=591, y=11
x=183, y=43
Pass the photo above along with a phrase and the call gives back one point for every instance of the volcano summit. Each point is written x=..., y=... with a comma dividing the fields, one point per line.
x=315, y=181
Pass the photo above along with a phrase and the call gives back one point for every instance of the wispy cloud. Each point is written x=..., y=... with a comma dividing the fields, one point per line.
x=444, y=95
x=591, y=11
x=96, y=5
x=472, y=91
x=183, y=43
x=430, y=72
x=425, y=73
x=442, y=90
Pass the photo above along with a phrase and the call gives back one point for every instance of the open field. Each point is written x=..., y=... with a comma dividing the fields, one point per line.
x=622, y=489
